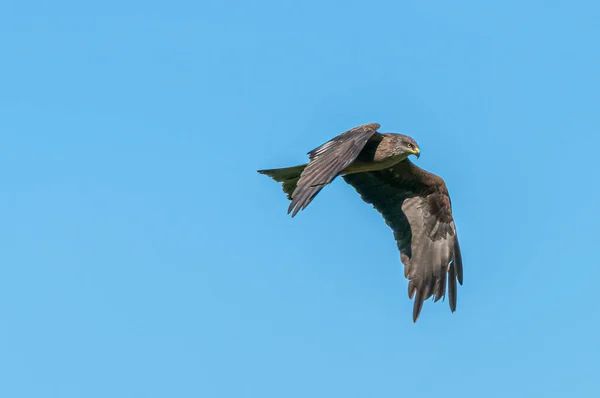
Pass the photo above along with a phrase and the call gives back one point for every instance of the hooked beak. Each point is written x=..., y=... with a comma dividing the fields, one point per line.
x=417, y=152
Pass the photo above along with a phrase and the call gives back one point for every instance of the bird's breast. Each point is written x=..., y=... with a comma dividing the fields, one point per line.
x=361, y=166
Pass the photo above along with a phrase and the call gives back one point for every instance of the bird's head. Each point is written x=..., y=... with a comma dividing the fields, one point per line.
x=405, y=145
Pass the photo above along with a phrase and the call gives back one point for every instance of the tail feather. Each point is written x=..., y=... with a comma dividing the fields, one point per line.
x=288, y=176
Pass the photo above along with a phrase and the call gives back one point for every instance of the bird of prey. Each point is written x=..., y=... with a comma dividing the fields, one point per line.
x=414, y=203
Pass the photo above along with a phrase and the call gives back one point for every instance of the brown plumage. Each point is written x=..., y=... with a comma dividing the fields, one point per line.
x=414, y=203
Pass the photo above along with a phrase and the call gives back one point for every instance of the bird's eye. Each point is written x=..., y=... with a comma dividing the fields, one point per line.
x=409, y=145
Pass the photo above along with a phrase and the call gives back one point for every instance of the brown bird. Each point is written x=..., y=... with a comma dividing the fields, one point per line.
x=414, y=203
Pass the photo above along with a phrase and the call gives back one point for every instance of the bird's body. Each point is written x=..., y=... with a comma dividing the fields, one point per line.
x=413, y=202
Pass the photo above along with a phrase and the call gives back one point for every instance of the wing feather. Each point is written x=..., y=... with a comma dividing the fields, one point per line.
x=326, y=163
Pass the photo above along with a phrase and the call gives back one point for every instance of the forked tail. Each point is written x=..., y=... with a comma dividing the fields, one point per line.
x=288, y=176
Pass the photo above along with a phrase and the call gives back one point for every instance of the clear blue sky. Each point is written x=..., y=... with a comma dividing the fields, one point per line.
x=141, y=255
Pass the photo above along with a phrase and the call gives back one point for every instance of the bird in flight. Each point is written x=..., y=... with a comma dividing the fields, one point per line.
x=414, y=203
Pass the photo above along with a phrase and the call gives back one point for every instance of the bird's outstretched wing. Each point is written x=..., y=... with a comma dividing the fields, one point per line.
x=416, y=206
x=327, y=161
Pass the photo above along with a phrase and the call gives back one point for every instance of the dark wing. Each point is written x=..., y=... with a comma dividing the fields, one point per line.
x=416, y=205
x=327, y=161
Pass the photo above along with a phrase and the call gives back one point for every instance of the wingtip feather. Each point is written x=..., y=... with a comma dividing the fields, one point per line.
x=452, y=288
x=418, y=306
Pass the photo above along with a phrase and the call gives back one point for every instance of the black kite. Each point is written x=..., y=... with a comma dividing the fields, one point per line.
x=413, y=202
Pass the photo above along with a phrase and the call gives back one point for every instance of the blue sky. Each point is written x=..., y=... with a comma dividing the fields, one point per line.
x=141, y=255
